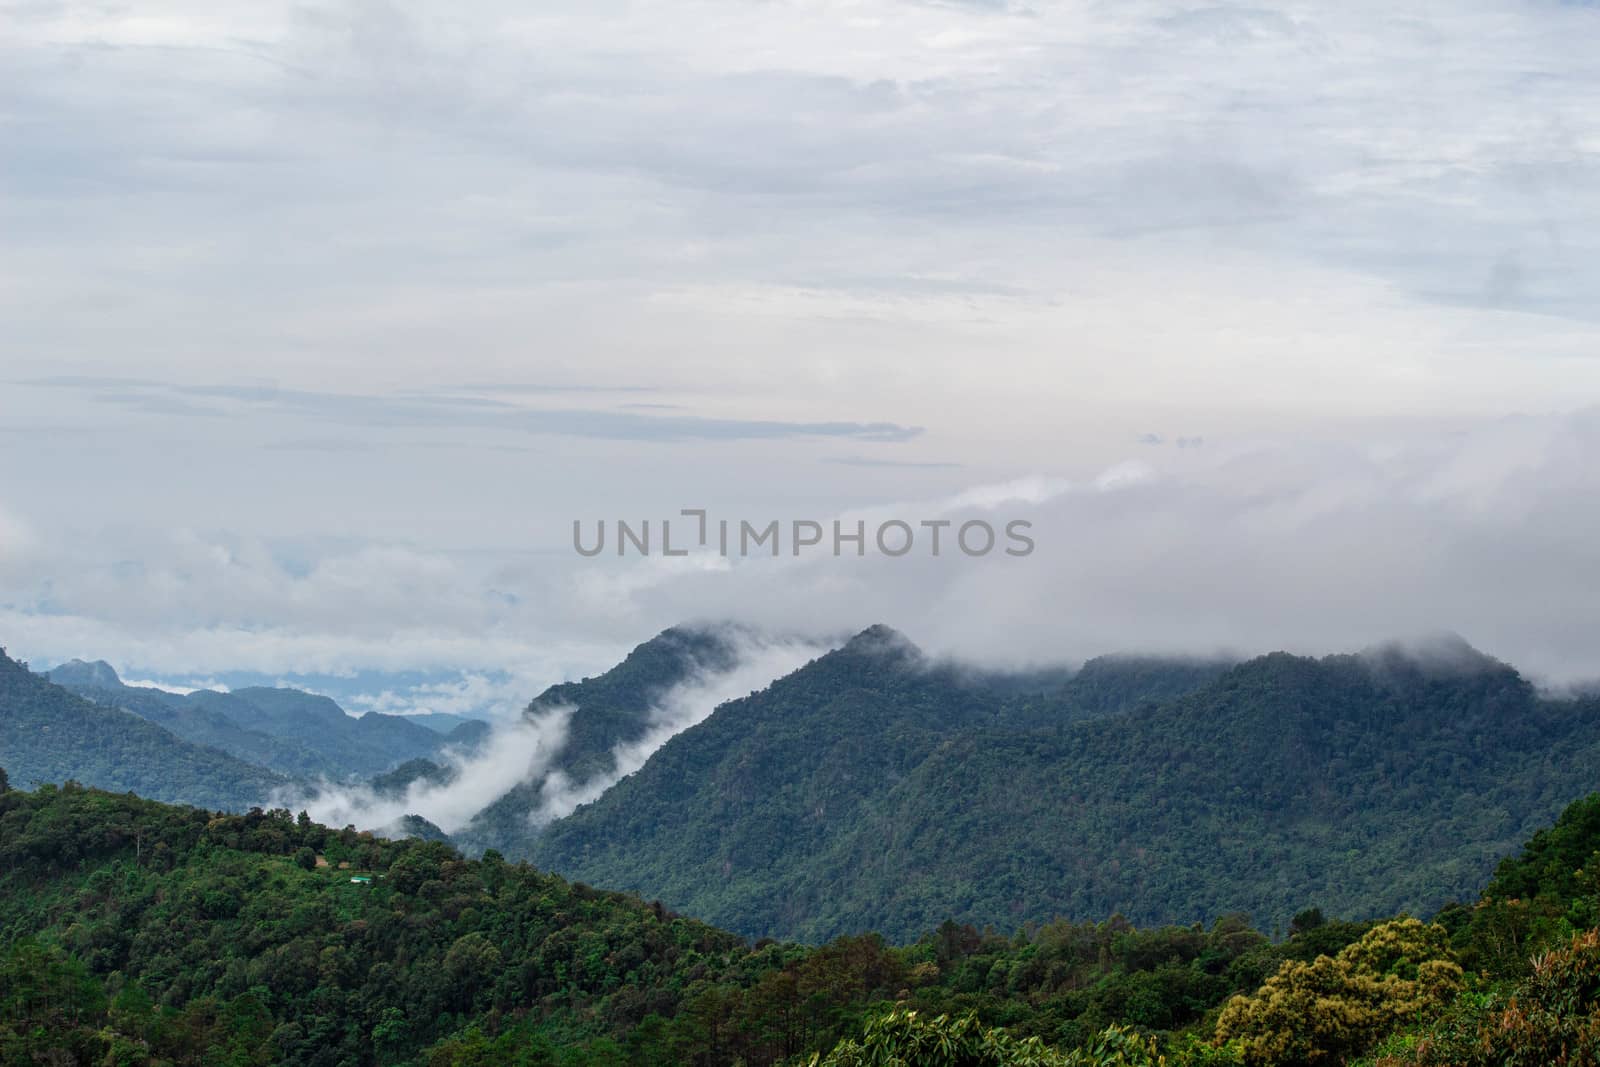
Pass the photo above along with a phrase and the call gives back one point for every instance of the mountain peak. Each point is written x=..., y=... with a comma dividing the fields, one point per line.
x=96, y=674
x=879, y=638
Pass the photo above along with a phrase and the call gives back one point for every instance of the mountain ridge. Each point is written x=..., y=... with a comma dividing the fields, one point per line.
x=871, y=790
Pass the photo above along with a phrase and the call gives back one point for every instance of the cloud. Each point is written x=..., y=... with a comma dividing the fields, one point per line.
x=521, y=749
x=867, y=461
x=1265, y=545
x=1481, y=527
x=759, y=660
x=428, y=265
x=516, y=751
x=439, y=410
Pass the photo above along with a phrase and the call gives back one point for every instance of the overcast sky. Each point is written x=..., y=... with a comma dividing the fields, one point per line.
x=320, y=324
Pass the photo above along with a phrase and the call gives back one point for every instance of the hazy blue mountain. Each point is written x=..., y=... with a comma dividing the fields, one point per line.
x=469, y=734
x=442, y=722
x=395, y=783
x=48, y=734
x=293, y=732
x=204, y=722
x=78, y=674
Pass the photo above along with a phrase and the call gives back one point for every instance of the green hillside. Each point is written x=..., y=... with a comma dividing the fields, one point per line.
x=610, y=709
x=872, y=790
x=135, y=933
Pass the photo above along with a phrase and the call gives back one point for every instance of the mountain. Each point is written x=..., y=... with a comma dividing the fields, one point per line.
x=614, y=708
x=200, y=719
x=611, y=710
x=874, y=790
x=292, y=732
x=468, y=734
x=358, y=746
x=393, y=784
x=442, y=721
x=737, y=803
x=1105, y=685
x=48, y=734
x=76, y=674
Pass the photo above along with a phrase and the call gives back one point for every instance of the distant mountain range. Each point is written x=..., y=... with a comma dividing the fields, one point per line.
x=48, y=734
x=295, y=733
x=227, y=750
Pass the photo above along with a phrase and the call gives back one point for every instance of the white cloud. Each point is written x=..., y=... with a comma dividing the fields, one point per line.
x=517, y=751
x=1345, y=244
x=759, y=660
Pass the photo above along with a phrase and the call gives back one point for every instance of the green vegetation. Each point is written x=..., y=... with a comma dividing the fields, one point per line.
x=872, y=785
x=395, y=783
x=1327, y=1010
x=136, y=933
x=872, y=790
x=909, y=1037
x=48, y=735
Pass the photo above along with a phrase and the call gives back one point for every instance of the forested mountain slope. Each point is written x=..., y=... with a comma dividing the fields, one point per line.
x=611, y=709
x=137, y=933
x=1110, y=685
x=869, y=792
x=48, y=734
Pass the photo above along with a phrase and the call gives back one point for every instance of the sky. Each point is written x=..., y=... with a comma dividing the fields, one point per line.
x=320, y=326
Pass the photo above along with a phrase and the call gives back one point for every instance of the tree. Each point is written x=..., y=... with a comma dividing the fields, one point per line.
x=1335, y=1008
x=1552, y=1017
x=1307, y=920
x=907, y=1037
x=470, y=965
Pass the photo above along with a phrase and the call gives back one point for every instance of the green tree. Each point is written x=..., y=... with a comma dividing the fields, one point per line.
x=906, y=1038
x=1552, y=1017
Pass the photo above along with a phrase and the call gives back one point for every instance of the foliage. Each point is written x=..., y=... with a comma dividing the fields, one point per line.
x=205, y=938
x=1549, y=1019
x=873, y=789
x=906, y=1038
x=395, y=783
x=1333, y=1008
x=132, y=932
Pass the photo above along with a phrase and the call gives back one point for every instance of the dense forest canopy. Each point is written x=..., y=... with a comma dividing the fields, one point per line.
x=133, y=932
